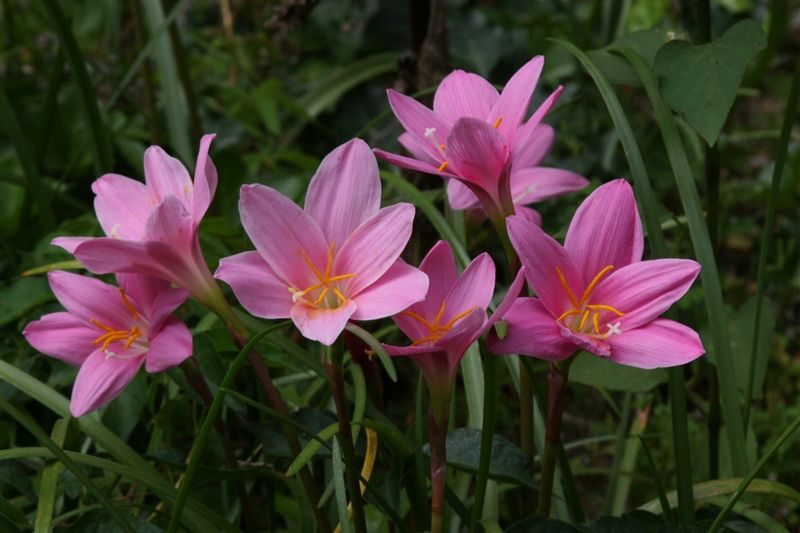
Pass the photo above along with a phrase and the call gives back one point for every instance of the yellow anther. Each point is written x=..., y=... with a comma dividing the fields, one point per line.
x=497, y=123
x=586, y=310
x=325, y=281
x=595, y=281
x=443, y=166
x=602, y=307
x=435, y=329
x=565, y=314
x=572, y=299
x=442, y=146
x=584, y=318
x=128, y=304
x=596, y=323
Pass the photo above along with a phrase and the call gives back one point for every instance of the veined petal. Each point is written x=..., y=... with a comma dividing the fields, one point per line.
x=171, y=223
x=88, y=298
x=531, y=215
x=285, y=235
x=477, y=153
x=512, y=105
x=543, y=109
x=661, y=343
x=460, y=196
x=408, y=142
x=418, y=121
x=323, y=325
x=166, y=176
x=256, y=285
x=205, y=180
x=100, y=380
x=70, y=244
x=512, y=294
x=409, y=163
x=543, y=258
x=345, y=191
x=463, y=94
x=646, y=289
x=401, y=286
x=531, y=330
x=456, y=341
x=170, y=347
x=374, y=247
x=164, y=305
x=62, y=336
x=540, y=183
x=530, y=149
x=105, y=256
x=473, y=289
x=606, y=230
x=122, y=206
x=143, y=290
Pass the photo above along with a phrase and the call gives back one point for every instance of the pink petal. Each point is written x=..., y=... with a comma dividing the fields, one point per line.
x=542, y=258
x=345, y=191
x=417, y=120
x=477, y=153
x=170, y=347
x=170, y=223
x=463, y=94
x=284, y=235
x=511, y=296
x=460, y=196
x=323, y=325
x=401, y=286
x=62, y=336
x=606, y=230
x=255, y=285
x=142, y=290
x=164, y=305
x=104, y=256
x=645, y=290
x=512, y=105
x=89, y=298
x=122, y=206
x=542, y=110
x=531, y=215
x=597, y=346
x=374, y=247
x=408, y=142
x=540, y=183
x=205, y=179
x=100, y=380
x=166, y=176
x=661, y=343
x=473, y=289
x=531, y=330
x=456, y=341
x=439, y=264
x=70, y=244
x=409, y=163
x=529, y=150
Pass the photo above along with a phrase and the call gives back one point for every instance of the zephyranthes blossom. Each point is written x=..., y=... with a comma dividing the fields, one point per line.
x=595, y=293
x=110, y=331
x=450, y=318
x=335, y=260
x=152, y=227
x=476, y=139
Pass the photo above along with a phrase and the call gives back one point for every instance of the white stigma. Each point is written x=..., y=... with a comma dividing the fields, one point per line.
x=114, y=232
x=430, y=132
x=614, y=328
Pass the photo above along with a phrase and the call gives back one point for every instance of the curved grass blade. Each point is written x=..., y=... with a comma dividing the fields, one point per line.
x=48, y=486
x=487, y=436
x=29, y=424
x=709, y=275
x=101, y=148
x=766, y=233
x=345, y=523
x=311, y=449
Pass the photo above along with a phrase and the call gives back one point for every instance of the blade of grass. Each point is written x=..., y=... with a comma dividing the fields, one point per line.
x=656, y=477
x=29, y=424
x=709, y=275
x=50, y=107
x=648, y=209
x=345, y=523
x=766, y=234
x=48, y=486
x=487, y=434
x=101, y=148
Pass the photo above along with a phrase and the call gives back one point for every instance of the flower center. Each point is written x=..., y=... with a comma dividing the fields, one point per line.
x=584, y=317
x=326, y=293
x=125, y=336
x=430, y=134
x=436, y=330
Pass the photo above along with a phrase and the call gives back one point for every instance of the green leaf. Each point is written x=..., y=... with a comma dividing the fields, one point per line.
x=21, y=296
x=311, y=448
x=700, y=81
x=122, y=414
x=599, y=372
x=338, y=486
x=617, y=70
x=508, y=463
x=741, y=343
x=48, y=487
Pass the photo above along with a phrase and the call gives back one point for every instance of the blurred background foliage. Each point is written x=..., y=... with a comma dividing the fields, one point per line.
x=87, y=85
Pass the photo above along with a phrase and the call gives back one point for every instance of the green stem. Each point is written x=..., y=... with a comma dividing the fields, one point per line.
x=335, y=369
x=437, y=435
x=557, y=385
x=487, y=434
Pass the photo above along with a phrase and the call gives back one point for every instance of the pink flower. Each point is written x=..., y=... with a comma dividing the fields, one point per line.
x=477, y=136
x=335, y=261
x=110, y=331
x=152, y=227
x=595, y=293
x=451, y=317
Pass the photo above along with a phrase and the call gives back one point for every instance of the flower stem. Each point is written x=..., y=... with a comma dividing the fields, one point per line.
x=335, y=368
x=557, y=385
x=437, y=434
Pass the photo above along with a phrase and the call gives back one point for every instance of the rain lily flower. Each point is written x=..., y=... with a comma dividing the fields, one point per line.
x=476, y=139
x=334, y=261
x=595, y=293
x=450, y=318
x=152, y=228
x=109, y=332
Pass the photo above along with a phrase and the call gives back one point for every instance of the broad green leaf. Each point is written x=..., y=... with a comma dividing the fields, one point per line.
x=700, y=81
x=599, y=372
x=508, y=463
x=615, y=68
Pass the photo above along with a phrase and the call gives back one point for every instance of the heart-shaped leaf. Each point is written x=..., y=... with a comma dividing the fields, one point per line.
x=700, y=81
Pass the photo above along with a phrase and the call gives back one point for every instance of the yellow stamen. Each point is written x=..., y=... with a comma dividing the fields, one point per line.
x=595, y=281
x=443, y=166
x=128, y=304
x=584, y=318
x=439, y=314
x=436, y=329
x=596, y=323
x=325, y=280
x=565, y=314
x=415, y=316
x=339, y=295
x=497, y=123
x=602, y=307
x=572, y=299
x=322, y=296
x=456, y=318
x=442, y=146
